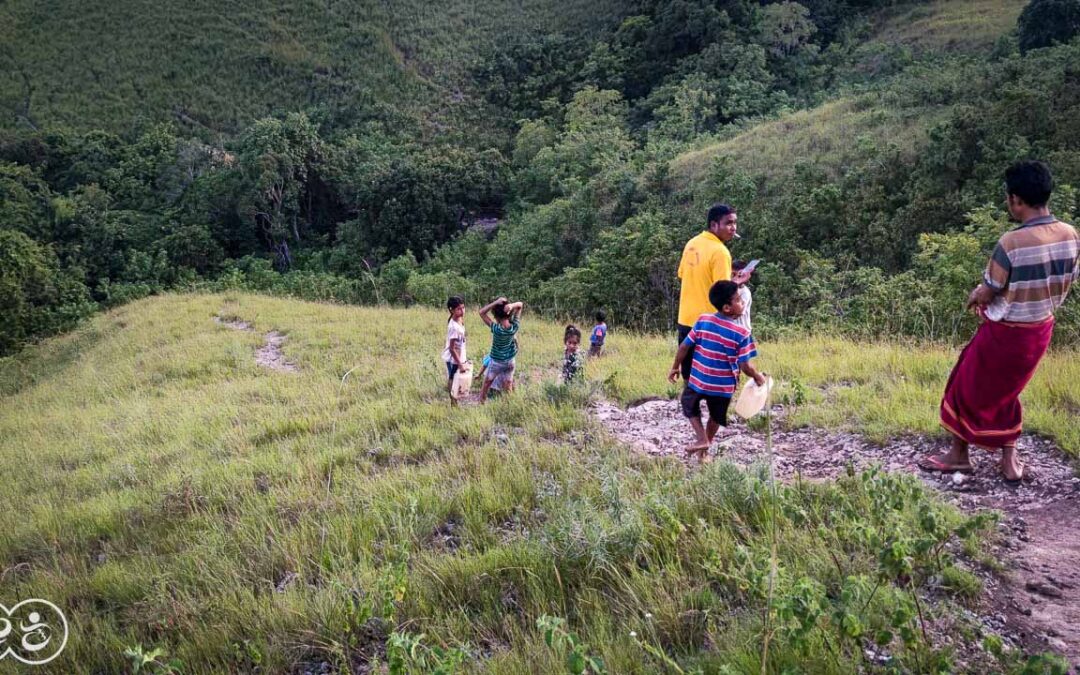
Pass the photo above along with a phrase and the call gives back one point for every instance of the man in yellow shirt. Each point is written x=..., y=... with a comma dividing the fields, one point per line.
x=705, y=260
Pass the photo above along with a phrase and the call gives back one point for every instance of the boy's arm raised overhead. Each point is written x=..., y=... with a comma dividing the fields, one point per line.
x=515, y=308
x=485, y=311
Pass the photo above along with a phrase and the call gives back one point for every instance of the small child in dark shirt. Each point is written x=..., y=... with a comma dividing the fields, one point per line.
x=572, y=361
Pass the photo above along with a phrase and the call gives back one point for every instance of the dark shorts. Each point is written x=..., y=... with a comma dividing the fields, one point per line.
x=689, y=360
x=596, y=349
x=451, y=369
x=717, y=405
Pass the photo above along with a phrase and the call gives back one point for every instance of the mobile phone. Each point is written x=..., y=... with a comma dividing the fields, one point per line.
x=750, y=266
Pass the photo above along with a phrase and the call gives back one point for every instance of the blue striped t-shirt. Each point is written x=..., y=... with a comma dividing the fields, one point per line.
x=720, y=345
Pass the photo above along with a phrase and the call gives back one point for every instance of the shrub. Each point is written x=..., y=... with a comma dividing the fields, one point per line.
x=434, y=289
x=37, y=298
x=1047, y=22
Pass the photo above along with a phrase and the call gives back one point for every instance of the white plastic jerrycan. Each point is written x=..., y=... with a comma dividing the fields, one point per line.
x=462, y=381
x=752, y=398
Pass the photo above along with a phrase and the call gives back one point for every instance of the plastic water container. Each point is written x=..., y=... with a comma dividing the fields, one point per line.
x=462, y=381
x=752, y=398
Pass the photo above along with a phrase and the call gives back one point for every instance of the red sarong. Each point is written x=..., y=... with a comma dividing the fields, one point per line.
x=981, y=404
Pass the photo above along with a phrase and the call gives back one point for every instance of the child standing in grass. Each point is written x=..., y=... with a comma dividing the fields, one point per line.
x=598, y=334
x=722, y=348
x=454, y=352
x=744, y=292
x=572, y=361
x=504, y=330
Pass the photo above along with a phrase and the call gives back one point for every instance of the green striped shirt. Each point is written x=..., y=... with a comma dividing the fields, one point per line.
x=503, y=345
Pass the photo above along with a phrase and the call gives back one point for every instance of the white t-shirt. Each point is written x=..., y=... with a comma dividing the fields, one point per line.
x=744, y=320
x=454, y=331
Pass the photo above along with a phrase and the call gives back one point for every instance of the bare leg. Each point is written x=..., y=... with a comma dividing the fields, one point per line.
x=710, y=433
x=711, y=429
x=702, y=442
x=1011, y=467
x=956, y=459
x=484, y=389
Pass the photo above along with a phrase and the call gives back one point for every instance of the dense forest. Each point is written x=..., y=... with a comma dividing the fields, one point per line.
x=562, y=155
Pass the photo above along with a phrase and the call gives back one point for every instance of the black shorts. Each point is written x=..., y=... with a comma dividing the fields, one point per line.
x=451, y=369
x=689, y=360
x=717, y=405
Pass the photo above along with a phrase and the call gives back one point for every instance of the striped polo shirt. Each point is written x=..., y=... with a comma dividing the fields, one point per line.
x=720, y=345
x=1032, y=268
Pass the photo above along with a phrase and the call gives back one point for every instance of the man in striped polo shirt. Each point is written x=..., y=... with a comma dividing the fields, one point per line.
x=1026, y=280
x=720, y=349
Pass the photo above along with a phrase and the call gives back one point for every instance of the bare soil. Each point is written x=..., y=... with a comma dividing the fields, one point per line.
x=270, y=354
x=1034, y=601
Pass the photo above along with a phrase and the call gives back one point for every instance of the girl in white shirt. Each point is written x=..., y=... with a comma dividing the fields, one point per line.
x=454, y=352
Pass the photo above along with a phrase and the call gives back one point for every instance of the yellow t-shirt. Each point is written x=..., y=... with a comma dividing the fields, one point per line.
x=705, y=260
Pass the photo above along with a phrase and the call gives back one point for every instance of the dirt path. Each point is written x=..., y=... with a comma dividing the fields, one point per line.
x=1036, y=601
x=270, y=354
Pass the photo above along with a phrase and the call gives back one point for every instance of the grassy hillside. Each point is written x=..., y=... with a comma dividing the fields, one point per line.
x=830, y=135
x=215, y=66
x=836, y=134
x=181, y=497
x=948, y=25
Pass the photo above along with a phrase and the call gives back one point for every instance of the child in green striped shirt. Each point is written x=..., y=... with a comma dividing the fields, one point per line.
x=504, y=330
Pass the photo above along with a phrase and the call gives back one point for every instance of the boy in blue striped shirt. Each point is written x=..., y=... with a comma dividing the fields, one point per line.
x=722, y=348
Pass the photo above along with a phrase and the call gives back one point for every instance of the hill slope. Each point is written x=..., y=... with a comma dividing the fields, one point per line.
x=948, y=25
x=182, y=497
x=833, y=132
x=218, y=65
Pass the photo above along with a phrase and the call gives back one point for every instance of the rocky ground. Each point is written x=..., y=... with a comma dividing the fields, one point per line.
x=1035, y=601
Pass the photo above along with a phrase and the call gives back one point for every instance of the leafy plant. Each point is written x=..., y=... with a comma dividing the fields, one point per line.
x=151, y=662
x=578, y=660
x=407, y=654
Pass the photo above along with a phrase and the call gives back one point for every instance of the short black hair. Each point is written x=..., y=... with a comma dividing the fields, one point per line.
x=499, y=311
x=601, y=315
x=721, y=293
x=1031, y=181
x=571, y=331
x=738, y=264
x=717, y=212
x=453, y=302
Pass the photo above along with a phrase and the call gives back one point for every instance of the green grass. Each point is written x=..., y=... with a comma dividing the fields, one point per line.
x=218, y=65
x=836, y=135
x=168, y=493
x=948, y=25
